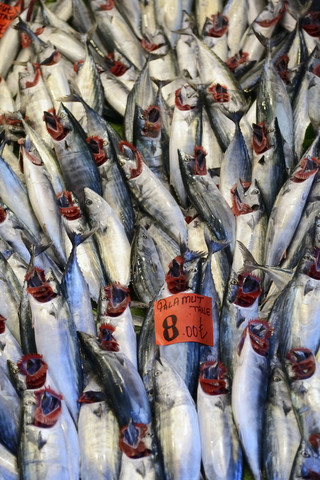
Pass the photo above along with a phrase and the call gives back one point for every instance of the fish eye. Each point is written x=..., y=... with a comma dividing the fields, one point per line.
x=157, y=373
x=306, y=454
x=255, y=191
x=63, y=115
x=88, y=201
x=276, y=378
x=105, y=143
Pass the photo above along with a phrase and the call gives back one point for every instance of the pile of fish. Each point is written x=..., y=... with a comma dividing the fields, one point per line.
x=212, y=189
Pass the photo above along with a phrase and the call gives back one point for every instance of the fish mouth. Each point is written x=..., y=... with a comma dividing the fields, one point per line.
x=132, y=440
x=118, y=299
x=106, y=338
x=55, y=129
x=49, y=408
x=219, y=26
x=248, y=290
x=213, y=379
x=175, y=278
x=302, y=363
x=35, y=369
x=96, y=145
x=67, y=207
x=259, y=333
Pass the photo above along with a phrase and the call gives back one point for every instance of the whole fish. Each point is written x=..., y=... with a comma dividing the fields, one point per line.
x=206, y=197
x=47, y=447
x=150, y=193
x=55, y=337
x=111, y=238
x=98, y=432
x=282, y=434
x=77, y=164
x=114, y=318
x=249, y=390
x=221, y=451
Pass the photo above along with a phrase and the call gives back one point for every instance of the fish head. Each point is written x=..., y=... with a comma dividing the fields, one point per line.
x=54, y=124
x=215, y=26
x=49, y=408
x=117, y=298
x=98, y=147
x=130, y=159
x=175, y=277
x=68, y=205
x=259, y=332
x=245, y=289
x=300, y=364
x=155, y=43
x=34, y=369
x=246, y=198
x=38, y=286
x=149, y=121
x=186, y=97
x=310, y=263
x=136, y=440
x=92, y=201
x=106, y=339
x=213, y=378
x=307, y=462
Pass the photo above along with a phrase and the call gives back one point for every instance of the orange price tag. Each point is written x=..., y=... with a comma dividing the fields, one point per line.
x=7, y=15
x=184, y=317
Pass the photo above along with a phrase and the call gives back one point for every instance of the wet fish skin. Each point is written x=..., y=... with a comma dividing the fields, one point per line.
x=282, y=434
x=175, y=415
x=110, y=237
x=147, y=272
x=221, y=451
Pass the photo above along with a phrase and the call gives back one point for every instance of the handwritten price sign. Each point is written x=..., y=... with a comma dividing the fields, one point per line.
x=7, y=15
x=184, y=317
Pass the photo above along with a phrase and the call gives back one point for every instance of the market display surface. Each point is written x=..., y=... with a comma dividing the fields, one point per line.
x=160, y=240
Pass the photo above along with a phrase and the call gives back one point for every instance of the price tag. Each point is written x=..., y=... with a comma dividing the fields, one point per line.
x=184, y=317
x=7, y=15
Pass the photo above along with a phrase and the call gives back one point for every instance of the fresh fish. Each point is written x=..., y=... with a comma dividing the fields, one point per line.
x=43, y=200
x=282, y=435
x=9, y=414
x=206, y=197
x=269, y=167
x=251, y=222
x=249, y=391
x=287, y=210
x=35, y=99
x=114, y=319
x=99, y=433
x=147, y=272
x=221, y=450
x=184, y=135
x=110, y=237
x=149, y=192
x=76, y=291
x=240, y=306
x=48, y=447
x=303, y=372
x=273, y=102
x=175, y=414
x=13, y=193
x=116, y=31
x=55, y=336
x=75, y=158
